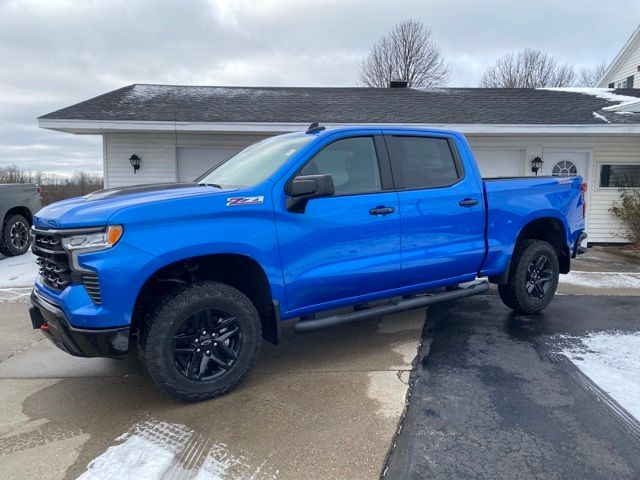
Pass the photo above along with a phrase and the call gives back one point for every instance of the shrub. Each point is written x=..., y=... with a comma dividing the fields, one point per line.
x=627, y=209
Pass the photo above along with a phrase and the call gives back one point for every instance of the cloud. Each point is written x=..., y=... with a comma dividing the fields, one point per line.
x=54, y=53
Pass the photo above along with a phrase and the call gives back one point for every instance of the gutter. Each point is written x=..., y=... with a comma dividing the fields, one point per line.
x=98, y=127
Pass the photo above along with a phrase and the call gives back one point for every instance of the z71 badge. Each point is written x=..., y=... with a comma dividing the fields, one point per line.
x=233, y=201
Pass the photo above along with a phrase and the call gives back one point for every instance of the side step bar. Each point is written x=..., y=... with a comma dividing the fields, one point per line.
x=306, y=326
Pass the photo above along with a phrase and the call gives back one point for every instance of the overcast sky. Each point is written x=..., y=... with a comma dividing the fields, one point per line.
x=54, y=53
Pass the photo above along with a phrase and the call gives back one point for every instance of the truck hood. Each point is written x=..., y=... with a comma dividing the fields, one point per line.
x=95, y=209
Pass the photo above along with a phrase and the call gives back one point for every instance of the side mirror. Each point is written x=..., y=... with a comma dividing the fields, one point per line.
x=305, y=187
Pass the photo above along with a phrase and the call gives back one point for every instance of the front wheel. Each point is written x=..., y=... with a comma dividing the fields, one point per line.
x=533, y=277
x=14, y=236
x=201, y=341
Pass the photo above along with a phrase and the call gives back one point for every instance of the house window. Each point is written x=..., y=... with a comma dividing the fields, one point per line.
x=564, y=168
x=620, y=175
x=626, y=83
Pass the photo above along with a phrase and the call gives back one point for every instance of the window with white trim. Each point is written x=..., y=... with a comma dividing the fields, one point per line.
x=564, y=168
x=620, y=175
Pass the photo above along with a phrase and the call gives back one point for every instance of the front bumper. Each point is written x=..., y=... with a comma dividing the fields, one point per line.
x=108, y=342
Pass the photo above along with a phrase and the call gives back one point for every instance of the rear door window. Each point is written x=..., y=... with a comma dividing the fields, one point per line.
x=422, y=162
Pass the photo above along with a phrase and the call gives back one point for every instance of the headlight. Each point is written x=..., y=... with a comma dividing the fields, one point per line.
x=93, y=241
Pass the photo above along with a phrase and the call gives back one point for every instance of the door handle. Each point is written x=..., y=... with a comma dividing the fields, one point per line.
x=381, y=210
x=468, y=202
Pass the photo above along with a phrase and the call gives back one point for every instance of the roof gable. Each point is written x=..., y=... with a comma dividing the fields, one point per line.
x=612, y=73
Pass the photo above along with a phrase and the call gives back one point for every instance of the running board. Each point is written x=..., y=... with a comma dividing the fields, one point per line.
x=306, y=326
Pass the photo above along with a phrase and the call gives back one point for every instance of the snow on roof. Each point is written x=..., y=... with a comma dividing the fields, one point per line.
x=625, y=102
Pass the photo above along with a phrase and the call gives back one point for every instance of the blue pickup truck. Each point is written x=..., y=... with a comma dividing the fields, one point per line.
x=295, y=226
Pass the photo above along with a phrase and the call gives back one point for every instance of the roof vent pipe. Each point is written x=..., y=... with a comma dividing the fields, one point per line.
x=398, y=84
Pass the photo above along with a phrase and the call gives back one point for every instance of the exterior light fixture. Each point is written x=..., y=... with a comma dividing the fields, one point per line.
x=135, y=162
x=536, y=164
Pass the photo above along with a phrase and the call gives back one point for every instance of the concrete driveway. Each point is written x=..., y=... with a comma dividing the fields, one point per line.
x=323, y=405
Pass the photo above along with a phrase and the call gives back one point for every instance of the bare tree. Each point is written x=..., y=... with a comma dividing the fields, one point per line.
x=589, y=76
x=528, y=69
x=407, y=52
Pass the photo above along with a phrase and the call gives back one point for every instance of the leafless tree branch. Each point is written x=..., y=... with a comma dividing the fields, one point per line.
x=589, y=76
x=528, y=69
x=407, y=52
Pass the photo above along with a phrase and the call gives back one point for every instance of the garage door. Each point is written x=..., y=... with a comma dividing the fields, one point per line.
x=500, y=162
x=194, y=161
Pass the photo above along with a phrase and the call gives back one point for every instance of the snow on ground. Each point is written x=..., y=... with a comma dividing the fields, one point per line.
x=611, y=360
x=602, y=279
x=158, y=450
x=604, y=93
x=18, y=271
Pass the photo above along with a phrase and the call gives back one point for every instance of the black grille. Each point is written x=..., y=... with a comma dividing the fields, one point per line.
x=55, y=270
x=91, y=283
x=52, y=260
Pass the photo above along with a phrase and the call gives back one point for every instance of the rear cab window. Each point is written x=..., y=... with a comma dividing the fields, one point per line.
x=420, y=162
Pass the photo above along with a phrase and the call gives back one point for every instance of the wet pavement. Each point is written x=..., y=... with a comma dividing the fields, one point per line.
x=491, y=399
x=323, y=405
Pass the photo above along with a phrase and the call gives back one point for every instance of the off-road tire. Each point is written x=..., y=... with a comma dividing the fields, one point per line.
x=6, y=246
x=155, y=340
x=514, y=293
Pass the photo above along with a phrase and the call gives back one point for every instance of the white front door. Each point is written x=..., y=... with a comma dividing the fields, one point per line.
x=564, y=163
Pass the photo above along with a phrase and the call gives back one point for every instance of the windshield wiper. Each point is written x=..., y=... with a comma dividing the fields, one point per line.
x=214, y=185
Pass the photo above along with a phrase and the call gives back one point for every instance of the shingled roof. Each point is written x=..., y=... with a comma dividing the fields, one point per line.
x=141, y=102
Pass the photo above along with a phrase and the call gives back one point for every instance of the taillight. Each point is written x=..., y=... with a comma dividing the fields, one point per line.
x=583, y=192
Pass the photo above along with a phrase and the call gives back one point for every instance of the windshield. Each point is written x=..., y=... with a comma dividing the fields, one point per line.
x=256, y=162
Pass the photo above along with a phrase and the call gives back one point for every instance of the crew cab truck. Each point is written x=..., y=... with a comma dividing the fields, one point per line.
x=18, y=203
x=292, y=227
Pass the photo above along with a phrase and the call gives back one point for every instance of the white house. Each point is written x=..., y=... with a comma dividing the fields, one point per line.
x=178, y=132
x=624, y=71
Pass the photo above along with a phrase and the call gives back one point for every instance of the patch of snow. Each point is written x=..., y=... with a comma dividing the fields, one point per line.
x=604, y=93
x=612, y=361
x=18, y=271
x=146, y=453
x=625, y=113
x=157, y=450
x=602, y=279
x=137, y=458
x=600, y=117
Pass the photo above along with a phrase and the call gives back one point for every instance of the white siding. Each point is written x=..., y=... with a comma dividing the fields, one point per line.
x=158, y=154
x=627, y=65
x=602, y=226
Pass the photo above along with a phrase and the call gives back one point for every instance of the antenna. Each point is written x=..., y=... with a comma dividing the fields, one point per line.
x=315, y=127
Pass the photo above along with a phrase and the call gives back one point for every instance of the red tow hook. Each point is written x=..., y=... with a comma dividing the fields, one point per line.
x=44, y=327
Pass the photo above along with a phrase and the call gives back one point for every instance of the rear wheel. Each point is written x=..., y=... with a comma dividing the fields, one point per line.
x=15, y=238
x=533, y=277
x=201, y=341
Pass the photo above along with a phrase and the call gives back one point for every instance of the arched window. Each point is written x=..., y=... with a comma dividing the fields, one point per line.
x=564, y=168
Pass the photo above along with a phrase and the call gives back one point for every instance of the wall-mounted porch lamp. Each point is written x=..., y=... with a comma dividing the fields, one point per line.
x=135, y=162
x=536, y=164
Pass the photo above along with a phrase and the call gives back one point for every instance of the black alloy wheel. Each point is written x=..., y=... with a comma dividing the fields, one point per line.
x=207, y=345
x=539, y=276
x=200, y=340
